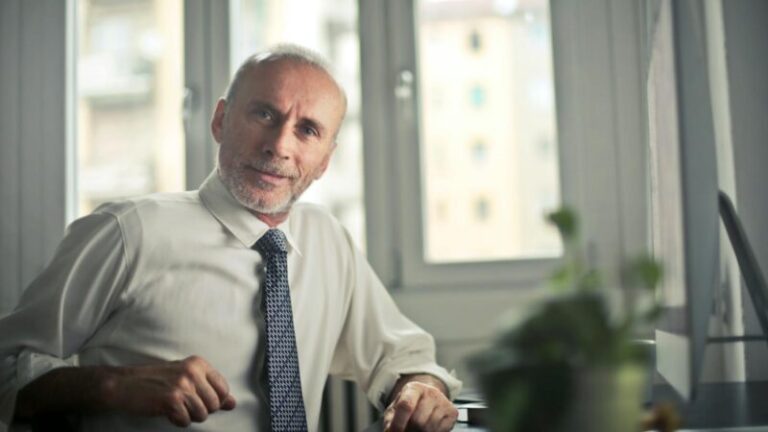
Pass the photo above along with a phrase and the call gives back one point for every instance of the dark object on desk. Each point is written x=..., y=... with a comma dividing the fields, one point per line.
x=472, y=413
x=661, y=418
x=720, y=405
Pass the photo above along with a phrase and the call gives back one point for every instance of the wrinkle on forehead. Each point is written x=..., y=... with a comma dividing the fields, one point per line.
x=250, y=69
x=287, y=85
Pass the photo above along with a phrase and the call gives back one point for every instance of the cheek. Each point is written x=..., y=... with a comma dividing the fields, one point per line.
x=225, y=155
x=310, y=168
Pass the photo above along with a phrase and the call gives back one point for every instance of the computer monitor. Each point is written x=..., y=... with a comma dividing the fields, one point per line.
x=684, y=188
x=686, y=204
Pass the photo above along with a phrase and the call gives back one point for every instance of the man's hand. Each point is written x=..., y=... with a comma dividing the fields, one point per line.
x=184, y=391
x=419, y=404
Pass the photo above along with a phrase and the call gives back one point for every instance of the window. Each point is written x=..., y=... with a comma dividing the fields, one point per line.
x=549, y=102
x=477, y=96
x=482, y=209
x=475, y=41
x=514, y=117
x=479, y=152
x=449, y=117
x=130, y=137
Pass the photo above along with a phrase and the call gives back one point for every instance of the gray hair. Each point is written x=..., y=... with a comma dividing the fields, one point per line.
x=284, y=51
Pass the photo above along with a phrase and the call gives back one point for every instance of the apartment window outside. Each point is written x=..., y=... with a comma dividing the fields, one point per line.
x=479, y=152
x=129, y=99
x=477, y=96
x=482, y=210
x=508, y=223
x=475, y=41
x=330, y=28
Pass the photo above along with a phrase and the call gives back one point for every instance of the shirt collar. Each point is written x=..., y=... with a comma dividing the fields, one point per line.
x=237, y=219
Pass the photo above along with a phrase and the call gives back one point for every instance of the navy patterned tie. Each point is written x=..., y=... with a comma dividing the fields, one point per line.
x=286, y=404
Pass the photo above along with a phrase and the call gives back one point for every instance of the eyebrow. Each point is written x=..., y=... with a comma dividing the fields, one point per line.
x=307, y=121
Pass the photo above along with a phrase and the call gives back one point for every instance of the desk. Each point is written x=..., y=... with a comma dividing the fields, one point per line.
x=377, y=427
x=721, y=406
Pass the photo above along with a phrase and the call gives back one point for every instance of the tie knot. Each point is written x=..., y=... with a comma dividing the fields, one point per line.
x=271, y=243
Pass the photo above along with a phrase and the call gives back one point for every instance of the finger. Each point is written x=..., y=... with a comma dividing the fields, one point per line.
x=229, y=403
x=208, y=395
x=178, y=414
x=196, y=408
x=404, y=406
x=386, y=420
x=447, y=423
x=217, y=383
x=436, y=421
x=423, y=413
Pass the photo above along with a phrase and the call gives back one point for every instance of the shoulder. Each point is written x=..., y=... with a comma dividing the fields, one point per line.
x=149, y=204
x=303, y=213
x=309, y=222
x=150, y=210
x=150, y=218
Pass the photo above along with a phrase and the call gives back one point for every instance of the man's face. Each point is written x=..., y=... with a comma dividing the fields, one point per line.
x=277, y=134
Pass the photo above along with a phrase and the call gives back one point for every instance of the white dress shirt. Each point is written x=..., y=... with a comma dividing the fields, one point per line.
x=166, y=276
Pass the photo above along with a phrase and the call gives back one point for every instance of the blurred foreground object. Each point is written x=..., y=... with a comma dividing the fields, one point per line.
x=570, y=365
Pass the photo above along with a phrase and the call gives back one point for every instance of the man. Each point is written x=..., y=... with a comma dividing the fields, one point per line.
x=224, y=308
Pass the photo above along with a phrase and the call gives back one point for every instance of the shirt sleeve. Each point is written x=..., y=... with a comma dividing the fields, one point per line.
x=62, y=307
x=378, y=343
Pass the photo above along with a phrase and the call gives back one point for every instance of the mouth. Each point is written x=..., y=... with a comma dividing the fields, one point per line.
x=269, y=176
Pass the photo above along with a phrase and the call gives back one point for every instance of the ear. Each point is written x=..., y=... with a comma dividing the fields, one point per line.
x=217, y=122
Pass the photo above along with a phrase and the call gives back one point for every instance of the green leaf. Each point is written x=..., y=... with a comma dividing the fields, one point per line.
x=566, y=222
x=644, y=271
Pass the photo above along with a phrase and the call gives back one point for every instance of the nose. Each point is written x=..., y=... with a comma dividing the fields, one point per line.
x=278, y=143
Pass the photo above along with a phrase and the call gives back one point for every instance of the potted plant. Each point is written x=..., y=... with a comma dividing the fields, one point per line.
x=571, y=365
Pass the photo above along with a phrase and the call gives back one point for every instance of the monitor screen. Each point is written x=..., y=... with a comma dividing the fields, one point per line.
x=684, y=187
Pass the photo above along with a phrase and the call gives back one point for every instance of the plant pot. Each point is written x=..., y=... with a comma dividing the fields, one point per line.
x=606, y=399
x=559, y=397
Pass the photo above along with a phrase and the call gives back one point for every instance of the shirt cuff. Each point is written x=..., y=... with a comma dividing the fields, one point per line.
x=31, y=365
x=18, y=371
x=385, y=381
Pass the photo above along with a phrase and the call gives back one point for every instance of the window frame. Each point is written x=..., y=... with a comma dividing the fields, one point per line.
x=206, y=75
x=36, y=89
x=601, y=168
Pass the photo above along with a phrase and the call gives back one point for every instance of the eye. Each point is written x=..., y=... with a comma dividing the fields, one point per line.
x=263, y=114
x=309, y=131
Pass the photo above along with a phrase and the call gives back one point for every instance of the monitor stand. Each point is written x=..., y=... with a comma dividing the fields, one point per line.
x=722, y=406
x=729, y=405
x=750, y=269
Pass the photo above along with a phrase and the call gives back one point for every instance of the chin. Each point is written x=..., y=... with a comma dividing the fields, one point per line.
x=263, y=205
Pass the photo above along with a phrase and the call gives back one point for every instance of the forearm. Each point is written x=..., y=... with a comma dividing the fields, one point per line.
x=422, y=378
x=69, y=390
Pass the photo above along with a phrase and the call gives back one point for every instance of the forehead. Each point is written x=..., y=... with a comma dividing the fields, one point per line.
x=290, y=84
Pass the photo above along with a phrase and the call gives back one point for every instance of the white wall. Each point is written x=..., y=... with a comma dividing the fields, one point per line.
x=32, y=139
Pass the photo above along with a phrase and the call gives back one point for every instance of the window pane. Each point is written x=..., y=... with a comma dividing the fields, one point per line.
x=129, y=120
x=488, y=129
x=330, y=28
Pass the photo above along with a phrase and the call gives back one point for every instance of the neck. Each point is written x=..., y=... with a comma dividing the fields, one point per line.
x=272, y=219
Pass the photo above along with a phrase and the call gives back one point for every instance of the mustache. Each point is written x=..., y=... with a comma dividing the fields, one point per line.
x=274, y=168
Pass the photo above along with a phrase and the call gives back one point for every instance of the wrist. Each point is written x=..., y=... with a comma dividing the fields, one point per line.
x=108, y=380
x=423, y=378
